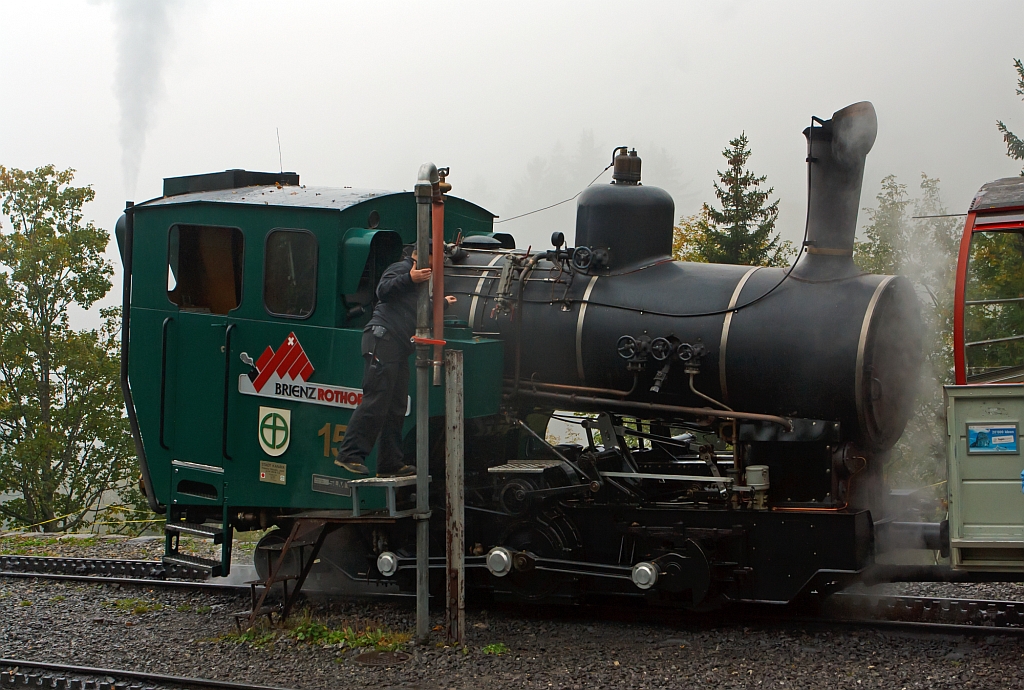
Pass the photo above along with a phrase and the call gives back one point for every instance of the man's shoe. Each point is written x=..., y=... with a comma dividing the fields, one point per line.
x=403, y=471
x=353, y=467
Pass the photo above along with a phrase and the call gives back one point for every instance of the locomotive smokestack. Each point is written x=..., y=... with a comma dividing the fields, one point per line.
x=837, y=150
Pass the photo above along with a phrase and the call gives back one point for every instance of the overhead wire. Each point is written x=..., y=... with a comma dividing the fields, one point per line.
x=563, y=201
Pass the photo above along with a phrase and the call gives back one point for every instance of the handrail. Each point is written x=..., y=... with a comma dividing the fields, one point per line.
x=994, y=340
x=126, y=387
x=163, y=378
x=227, y=389
x=656, y=408
x=994, y=301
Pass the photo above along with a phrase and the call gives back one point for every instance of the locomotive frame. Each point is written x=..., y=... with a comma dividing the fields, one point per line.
x=237, y=399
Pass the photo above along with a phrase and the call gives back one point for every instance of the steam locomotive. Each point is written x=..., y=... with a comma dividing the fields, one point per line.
x=732, y=421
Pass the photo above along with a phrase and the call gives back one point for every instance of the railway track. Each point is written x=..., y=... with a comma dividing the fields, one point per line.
x=37, y=675
x=113, y=571
x=930, y=613
x=102, y=567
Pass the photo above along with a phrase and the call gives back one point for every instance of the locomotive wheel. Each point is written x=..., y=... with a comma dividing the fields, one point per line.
x=264, y=559
x=547, y=535
x=514, y=496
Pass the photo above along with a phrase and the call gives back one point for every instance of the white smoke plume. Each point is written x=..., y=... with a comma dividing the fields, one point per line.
x=143, y=35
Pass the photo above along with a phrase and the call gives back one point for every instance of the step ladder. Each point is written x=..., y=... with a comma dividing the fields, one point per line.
x=308, y=532
x=391, y=485
x=177, y=525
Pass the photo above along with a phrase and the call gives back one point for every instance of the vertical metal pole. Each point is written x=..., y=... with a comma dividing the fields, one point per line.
x=437, y=277
x=425, y=186
x=455, y=539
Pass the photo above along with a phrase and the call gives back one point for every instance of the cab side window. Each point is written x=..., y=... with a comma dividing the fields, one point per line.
x=204, y=268
x=994, y=305
x=289, y=273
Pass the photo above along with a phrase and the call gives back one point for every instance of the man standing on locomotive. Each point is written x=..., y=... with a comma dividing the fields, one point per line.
x=386, y=346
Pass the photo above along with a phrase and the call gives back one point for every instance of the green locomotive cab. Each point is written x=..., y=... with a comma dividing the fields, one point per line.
x=245, y=298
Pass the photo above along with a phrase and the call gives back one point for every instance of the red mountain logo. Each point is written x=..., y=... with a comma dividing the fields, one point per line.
x=284, y=373
x=289, y=363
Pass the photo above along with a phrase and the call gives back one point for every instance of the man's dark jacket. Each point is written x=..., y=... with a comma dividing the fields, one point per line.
x=396, y=305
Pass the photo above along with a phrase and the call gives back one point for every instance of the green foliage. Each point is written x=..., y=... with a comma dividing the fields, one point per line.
x=497, y=648
x=924, y=249
x=688, y=237
x=136, y=606
x=743, y=231
x=64, y=438
x=311, y=631
x=257, y=636
x=1014, y=145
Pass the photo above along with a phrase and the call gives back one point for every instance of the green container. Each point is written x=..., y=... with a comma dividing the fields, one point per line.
x=985, y=475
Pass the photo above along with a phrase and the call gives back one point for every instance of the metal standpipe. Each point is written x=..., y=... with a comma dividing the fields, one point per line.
x=426, y=187
x=455, y=532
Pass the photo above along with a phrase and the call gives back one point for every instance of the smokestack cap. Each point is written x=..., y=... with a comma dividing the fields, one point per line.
x=852, y=132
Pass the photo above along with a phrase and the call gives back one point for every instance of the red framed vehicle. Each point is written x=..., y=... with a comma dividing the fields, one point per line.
x=988, y=316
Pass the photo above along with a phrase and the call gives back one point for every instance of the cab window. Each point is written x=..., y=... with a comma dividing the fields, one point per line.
x=289, y=273
x=994, y=306
x=204, y=268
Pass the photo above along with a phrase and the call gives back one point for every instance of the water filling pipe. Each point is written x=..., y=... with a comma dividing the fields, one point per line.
x=426, y=188
x=437, y=264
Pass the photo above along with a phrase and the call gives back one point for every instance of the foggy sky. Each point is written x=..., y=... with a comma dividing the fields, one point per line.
x=522, y=100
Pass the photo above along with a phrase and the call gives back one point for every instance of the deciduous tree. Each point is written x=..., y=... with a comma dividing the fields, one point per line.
x=64, y=440
x=911, y=236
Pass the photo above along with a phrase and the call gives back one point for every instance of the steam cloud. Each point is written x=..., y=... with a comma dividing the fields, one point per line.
x=142, y=33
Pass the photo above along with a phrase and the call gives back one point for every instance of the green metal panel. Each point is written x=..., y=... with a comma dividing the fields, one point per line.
x=183, y=393
x=985, y=480
x=355, y=250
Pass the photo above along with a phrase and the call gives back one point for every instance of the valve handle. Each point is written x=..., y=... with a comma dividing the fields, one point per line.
x=627, y=347
x=581, y=258
x=661, y=349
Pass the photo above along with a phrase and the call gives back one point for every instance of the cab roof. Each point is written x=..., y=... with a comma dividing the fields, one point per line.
x=1007, y=192
x=336, y=198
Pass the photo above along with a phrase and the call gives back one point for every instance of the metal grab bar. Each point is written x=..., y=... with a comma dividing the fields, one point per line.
x=227, y=389
x=994, y=340
x=994, y=301
x=163, y=378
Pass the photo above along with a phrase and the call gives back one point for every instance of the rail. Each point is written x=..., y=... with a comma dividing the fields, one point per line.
x=933, y=614
x=21, y=680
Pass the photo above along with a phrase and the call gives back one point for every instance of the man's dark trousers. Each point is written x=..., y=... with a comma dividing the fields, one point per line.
x=382, y=410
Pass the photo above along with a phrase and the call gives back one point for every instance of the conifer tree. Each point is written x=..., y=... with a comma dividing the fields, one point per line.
x=1014, y=144
x=743, y=230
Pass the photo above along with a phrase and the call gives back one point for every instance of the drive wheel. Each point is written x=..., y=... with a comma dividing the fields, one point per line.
x=547, y=535
x=268, y=550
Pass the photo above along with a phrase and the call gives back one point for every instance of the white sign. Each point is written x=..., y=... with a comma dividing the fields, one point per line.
x=274, y=430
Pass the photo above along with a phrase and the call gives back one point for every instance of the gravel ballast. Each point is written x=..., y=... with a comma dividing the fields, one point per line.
x=189, y=633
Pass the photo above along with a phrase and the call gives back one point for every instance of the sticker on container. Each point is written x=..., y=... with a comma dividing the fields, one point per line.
x=273, y=472
x=992, y=439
